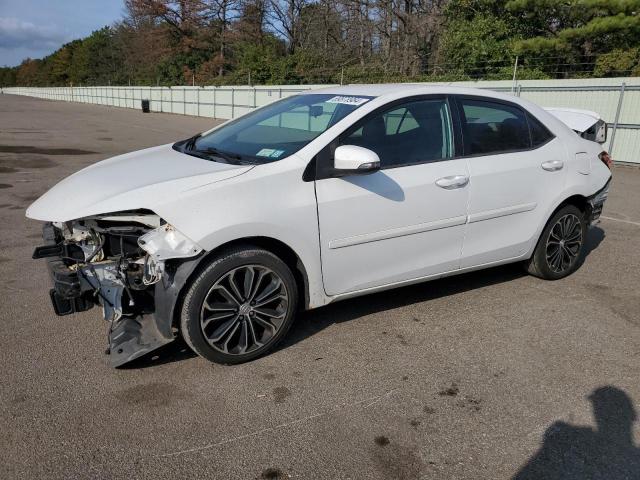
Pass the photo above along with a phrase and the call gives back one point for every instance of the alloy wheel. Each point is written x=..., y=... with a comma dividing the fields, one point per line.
x=244, y=309
x=564, y=243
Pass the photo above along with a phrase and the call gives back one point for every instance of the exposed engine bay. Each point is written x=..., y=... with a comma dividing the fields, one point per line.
x=115, y=261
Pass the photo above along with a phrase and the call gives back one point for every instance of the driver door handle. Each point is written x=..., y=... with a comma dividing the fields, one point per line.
x=552, y=165
x=454, y=181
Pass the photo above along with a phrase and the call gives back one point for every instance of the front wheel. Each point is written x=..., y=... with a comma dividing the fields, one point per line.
x=240, y=306
x=561, y=246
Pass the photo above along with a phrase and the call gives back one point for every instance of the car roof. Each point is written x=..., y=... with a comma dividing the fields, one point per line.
x=399, y=90
x=383, y=89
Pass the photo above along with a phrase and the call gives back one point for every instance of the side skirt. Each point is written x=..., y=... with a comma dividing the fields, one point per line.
x=357, y=293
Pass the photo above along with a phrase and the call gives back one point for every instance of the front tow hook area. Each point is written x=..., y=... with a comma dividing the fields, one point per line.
x=131, y=338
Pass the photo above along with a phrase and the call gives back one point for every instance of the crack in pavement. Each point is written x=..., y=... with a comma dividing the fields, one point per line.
x=370, y=401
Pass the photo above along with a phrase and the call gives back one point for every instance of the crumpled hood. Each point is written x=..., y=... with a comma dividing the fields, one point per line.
x=143, y=179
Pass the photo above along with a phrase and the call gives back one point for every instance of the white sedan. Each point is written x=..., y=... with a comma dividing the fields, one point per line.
x=318, y=197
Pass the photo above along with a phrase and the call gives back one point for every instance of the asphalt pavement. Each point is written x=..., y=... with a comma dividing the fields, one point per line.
x=493, y=374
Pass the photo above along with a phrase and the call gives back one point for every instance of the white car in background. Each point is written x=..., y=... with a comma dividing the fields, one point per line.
x=315, y=198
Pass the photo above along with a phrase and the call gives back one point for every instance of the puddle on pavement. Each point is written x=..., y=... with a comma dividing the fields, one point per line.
x=280, y=394
x=272, y=474
x=12, y=165
x=43, y=150
x=18, y=132
x=32, y=197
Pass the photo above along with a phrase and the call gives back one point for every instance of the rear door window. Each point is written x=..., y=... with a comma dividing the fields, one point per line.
x=492, y=127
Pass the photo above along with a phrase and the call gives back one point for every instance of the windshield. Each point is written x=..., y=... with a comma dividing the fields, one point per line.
x=275, y=131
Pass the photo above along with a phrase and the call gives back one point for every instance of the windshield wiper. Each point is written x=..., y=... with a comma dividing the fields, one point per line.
x=190, y=142
x=188, y=147
x=232, y=158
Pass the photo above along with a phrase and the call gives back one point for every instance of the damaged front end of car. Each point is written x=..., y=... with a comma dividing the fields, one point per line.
x=132, y=264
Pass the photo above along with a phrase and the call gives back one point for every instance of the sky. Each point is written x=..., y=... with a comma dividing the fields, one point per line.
x=36, y=28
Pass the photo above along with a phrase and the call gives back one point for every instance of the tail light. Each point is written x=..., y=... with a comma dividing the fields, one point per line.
x=606, y=159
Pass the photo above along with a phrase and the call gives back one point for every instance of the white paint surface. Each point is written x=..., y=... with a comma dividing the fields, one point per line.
x=357, y=233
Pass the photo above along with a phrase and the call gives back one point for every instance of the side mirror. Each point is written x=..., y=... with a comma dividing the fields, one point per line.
x=354, y=160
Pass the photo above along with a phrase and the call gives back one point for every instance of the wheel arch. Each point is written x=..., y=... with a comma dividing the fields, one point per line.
x=272, y=245
x=283, y=251
x=577, y=200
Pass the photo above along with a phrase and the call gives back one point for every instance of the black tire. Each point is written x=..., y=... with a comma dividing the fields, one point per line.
x=200, y=325
x=553, y=263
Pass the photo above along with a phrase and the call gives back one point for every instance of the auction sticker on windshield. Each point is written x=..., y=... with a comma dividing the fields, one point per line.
x=269, y=152
x=348, y=100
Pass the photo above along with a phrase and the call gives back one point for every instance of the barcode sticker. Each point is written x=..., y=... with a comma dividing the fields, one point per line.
x=348, y=100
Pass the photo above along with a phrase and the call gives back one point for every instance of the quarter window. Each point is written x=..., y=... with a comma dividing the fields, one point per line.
x=490, y=127
x=414, y=132
x=539, y=133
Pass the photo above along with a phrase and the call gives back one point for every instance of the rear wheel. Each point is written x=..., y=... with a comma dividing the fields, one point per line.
x=240, y=306
x=561, y=246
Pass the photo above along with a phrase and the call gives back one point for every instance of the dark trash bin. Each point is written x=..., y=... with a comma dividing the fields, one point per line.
x=145, y=106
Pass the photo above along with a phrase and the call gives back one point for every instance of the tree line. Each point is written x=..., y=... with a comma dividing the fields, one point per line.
x=215, y=42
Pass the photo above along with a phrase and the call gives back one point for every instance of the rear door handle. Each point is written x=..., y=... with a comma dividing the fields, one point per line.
x=454, y=181
x=552, y=165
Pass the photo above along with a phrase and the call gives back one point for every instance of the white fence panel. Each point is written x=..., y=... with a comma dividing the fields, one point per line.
x=600, y=95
